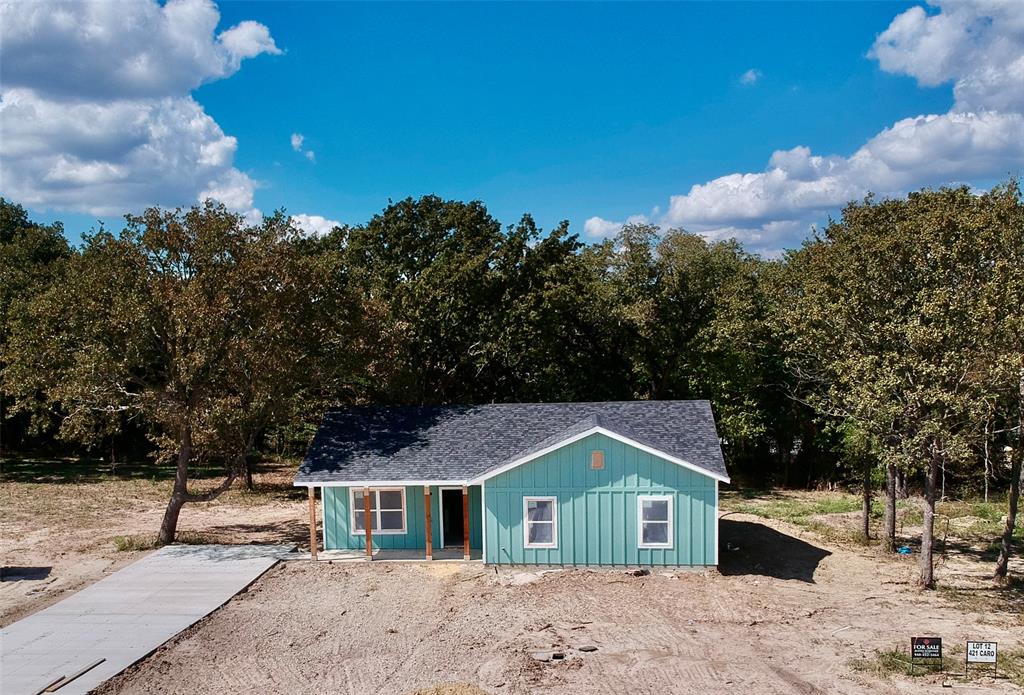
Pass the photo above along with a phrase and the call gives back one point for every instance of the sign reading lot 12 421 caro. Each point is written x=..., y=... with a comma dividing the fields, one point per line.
x=981, y=652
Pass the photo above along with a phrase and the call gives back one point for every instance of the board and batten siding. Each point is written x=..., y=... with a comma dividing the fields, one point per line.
x=337, y=521
x=597, y=509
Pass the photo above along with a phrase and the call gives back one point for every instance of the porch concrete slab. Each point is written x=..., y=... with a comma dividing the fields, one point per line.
x=127, y=615
x=391, y=555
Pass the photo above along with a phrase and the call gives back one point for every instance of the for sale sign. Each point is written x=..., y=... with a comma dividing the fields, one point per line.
x=925, y=647
x=981, y=652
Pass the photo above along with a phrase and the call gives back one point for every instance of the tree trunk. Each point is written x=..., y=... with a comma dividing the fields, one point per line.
x=866, y=510
x=927, y=579
x=890, y=508
x=901, y=485
x=1006, y=547
x=245, y=464
x=988, y=461
x=1016, y=475
x=179, y=494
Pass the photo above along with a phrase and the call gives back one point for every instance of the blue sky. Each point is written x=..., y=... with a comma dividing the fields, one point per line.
x=568, y=111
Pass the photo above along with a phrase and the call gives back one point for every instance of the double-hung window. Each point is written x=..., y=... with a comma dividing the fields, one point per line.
x=654, y=521
x=387, y=511
x=540, y=522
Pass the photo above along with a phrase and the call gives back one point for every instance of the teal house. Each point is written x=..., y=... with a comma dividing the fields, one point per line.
x=620, y=484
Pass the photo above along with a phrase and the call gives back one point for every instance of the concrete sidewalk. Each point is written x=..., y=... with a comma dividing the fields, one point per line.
x=127, y=615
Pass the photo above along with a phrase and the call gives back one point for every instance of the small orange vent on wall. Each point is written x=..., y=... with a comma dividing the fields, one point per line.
x=597, y=460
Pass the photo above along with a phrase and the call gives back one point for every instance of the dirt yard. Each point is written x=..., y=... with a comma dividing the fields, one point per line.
x=786, y=615
x=798, y=607
x=59, y=521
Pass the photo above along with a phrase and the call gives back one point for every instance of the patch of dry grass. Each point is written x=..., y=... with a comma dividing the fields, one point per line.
x=452, y=689
x=134, y=543
x=836, y=515
x=896, y=662
x=56, y=492
x=885, y=664
x=76, y=492
x=807, y=510
x=141, y=541
x=1008, y=597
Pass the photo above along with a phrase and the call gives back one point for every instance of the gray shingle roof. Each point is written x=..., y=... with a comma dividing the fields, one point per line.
x=457, y=443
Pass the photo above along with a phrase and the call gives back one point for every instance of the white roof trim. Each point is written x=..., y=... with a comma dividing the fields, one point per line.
x=378, y=483
x=608, y=433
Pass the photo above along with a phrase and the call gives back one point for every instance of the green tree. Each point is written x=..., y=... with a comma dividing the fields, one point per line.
x=887, y=318
x=690, y=322
x=427, y=263
x=292, y=352
x=542, y=339
x=32, y=257
x=184, y=320
x=1004, y=361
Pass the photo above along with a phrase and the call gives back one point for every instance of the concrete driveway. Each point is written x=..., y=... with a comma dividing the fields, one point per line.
x=127, y=615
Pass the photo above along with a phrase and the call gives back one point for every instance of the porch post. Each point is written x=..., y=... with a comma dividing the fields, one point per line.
x=312, y=523
x=465, y=522
x=368, y=523
x=430, y=531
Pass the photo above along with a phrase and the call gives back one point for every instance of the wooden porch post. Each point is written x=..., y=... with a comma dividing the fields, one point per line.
x=465, y=522
x=312, y=523
x=430, y=531
x=368, y=523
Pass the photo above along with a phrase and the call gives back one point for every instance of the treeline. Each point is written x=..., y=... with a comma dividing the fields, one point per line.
x=887, y=351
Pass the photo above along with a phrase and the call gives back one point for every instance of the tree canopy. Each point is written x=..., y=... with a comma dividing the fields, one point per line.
x=893, y=340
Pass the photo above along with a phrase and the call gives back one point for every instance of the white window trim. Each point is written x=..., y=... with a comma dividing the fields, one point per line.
x=389, y=532
x=527, y=522
x=640, y=520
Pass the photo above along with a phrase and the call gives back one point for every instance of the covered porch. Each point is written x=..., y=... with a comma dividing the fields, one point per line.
x=396, y=521
x=385, y=555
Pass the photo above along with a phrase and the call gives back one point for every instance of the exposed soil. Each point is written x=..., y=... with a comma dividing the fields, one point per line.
x=793, y=606
x=787, y=614
x=57, y=532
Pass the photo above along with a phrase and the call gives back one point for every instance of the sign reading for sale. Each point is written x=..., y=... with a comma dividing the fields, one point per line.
x=925, y=647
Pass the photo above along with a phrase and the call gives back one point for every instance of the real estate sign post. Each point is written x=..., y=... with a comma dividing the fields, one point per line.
x=981, y=653
x=926, y=651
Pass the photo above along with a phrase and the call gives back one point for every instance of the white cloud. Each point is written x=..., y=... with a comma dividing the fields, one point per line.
x=599, y=228
x=979, y=47
x=95, y=110
x=914, y=152
x=314, y=225
x=298, y=140
x=751, y=76
x=235, y=190
x=247, y=39
x=126, y=49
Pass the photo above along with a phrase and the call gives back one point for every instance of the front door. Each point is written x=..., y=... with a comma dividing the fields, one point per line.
x=451, y=518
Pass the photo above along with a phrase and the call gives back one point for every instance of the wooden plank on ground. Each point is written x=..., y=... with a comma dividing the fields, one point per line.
x=54, y=687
